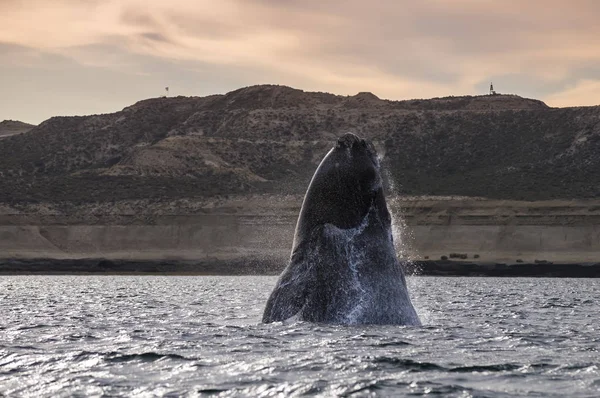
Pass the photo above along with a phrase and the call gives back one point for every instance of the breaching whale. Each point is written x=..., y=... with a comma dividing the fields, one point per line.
x=343, y=267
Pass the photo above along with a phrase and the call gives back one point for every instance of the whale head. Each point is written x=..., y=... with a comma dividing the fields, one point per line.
x=345, y=188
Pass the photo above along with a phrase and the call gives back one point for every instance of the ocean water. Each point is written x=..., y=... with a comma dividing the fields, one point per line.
x=191, y=336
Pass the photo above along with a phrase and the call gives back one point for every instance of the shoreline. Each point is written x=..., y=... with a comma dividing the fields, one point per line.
x=273, y=267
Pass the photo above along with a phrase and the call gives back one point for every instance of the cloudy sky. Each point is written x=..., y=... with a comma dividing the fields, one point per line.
x=75, y=57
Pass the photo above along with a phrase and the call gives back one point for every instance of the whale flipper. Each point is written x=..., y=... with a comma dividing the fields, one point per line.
x=289, y=296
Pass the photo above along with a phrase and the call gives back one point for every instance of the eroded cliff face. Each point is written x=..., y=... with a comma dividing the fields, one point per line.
x=269, y=139
x=262, y=227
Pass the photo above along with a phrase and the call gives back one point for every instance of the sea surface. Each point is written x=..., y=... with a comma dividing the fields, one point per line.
x=191, y=336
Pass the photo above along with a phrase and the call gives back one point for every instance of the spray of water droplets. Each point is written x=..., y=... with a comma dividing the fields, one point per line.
x=402, y=234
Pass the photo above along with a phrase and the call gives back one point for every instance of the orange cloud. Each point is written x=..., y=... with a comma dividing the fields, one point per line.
x=584, y=92
x=398, y=49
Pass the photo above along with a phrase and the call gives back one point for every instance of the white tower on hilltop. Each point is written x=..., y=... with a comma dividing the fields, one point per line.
x=492, y=92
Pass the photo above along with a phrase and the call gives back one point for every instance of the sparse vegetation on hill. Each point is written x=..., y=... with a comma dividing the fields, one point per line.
x=270, y=139
x=12, y=127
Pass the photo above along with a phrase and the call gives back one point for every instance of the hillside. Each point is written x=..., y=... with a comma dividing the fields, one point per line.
x=12, y=127
x=269, y=139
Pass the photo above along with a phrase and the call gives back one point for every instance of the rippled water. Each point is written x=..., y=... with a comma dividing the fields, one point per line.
x=152, y=335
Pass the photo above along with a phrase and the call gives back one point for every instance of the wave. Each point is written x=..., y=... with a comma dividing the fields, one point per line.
x=144, y=357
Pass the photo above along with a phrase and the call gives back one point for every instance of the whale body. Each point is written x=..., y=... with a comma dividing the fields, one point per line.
x=343, y=268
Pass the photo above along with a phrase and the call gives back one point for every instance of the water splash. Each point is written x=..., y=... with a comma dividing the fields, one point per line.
x=402, y=234
x=403, y=244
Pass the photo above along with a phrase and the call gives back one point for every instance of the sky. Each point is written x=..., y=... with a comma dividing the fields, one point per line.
x=79, y=57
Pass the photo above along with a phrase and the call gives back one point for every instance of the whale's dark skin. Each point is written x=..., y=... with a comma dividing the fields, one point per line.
x=343, y=268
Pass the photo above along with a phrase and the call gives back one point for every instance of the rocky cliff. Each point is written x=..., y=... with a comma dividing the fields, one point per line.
x=269, y=139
